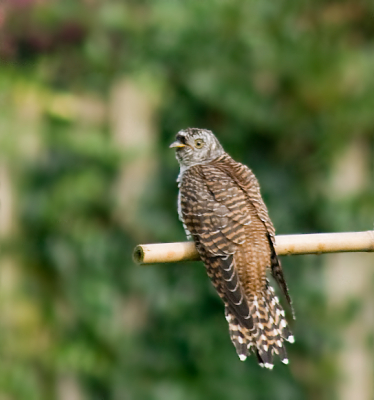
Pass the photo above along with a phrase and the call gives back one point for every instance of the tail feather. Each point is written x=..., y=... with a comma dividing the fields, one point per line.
x=259, y=359
x=269, y=331
x=237, y=335
x=277, y=273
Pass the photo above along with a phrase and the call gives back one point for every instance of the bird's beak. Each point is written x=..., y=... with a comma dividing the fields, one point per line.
x=177, y=144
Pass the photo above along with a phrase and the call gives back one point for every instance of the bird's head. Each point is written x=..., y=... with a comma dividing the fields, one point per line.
x=196, y=146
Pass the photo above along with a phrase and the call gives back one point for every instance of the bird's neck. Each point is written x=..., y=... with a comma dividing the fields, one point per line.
x=184, y=167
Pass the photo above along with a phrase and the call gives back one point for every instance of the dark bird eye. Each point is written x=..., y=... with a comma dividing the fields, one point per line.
x=199, y=143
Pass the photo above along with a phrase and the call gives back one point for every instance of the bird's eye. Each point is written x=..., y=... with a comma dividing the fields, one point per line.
x=199, y=143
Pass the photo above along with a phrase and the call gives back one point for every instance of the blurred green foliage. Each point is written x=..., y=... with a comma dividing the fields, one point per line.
x=286, y=86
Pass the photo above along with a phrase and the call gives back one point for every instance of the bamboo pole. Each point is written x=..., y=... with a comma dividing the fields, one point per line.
x=316, y=243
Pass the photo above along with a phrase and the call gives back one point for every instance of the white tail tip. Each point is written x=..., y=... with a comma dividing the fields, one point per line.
x=270, y=366
x=285, y=361
x=291, y=339
x=242, y=357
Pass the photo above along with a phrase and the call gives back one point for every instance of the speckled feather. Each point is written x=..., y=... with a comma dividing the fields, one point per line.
x=222, y=210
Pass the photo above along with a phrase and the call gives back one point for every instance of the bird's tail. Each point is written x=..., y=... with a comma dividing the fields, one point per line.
x=269, y=331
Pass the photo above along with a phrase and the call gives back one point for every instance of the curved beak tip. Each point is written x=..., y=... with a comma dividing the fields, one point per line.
x=176, y=145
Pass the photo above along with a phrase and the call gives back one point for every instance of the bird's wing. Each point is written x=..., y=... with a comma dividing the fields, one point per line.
x=247, y=181
x=216, y=213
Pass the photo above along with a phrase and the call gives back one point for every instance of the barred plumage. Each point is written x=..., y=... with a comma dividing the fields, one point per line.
x=221, y=208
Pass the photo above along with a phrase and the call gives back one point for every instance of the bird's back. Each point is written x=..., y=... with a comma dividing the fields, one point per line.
x=222, y=209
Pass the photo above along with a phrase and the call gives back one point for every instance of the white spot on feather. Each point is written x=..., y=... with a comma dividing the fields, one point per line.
x=291, y=339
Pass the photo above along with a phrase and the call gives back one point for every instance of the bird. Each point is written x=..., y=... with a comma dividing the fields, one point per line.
x=221, y=208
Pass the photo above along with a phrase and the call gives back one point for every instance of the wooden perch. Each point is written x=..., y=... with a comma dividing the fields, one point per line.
x=317, y=243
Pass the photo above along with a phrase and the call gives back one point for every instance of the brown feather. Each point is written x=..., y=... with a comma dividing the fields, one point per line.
x=222, y=209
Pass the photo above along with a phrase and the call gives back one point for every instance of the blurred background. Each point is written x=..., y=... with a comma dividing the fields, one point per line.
x=91, y=94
